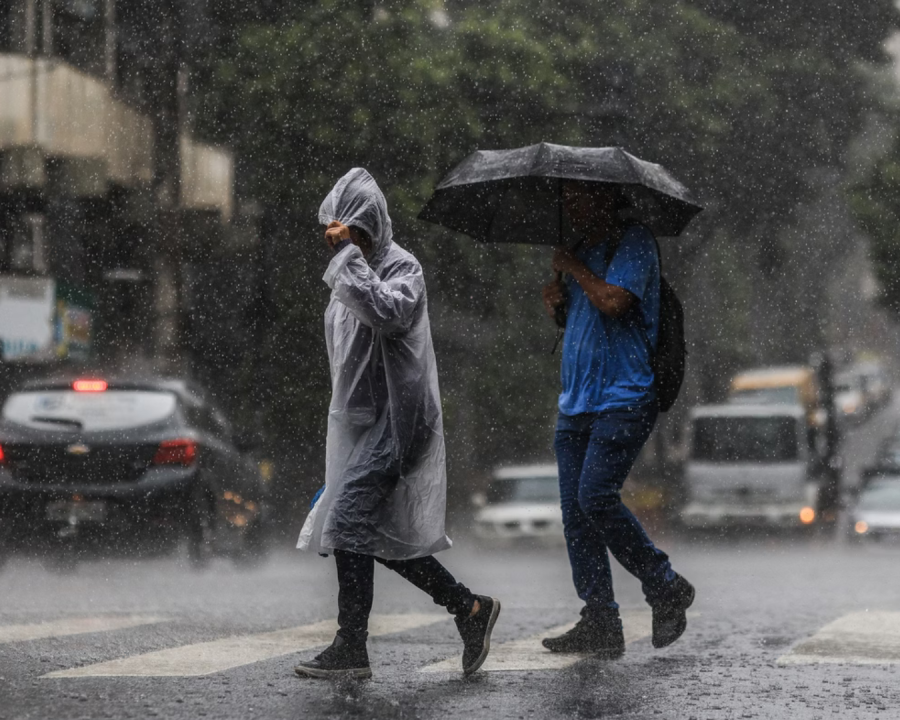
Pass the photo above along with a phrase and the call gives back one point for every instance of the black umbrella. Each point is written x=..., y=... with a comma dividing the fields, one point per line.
x=515, y=195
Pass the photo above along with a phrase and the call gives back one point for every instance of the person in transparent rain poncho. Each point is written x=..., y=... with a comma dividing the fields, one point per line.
x=385, y=479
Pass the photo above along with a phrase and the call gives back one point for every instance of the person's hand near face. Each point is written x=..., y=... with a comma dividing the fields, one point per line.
x=336, y=233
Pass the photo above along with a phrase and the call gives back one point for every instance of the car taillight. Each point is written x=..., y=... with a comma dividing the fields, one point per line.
x=182, y=451
x=89, y=385
x=2, y=456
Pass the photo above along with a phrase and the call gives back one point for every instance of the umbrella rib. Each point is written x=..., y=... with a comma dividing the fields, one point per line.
x=635, y=166
x=538, y=156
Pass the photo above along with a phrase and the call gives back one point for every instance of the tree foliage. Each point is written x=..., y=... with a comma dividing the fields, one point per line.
x=741, y=100
x=876, y=206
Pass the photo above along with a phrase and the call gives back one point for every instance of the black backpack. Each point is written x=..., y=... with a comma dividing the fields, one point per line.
x=671, y=350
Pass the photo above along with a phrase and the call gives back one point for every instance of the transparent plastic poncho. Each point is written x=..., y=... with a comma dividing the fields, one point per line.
x=385, y=475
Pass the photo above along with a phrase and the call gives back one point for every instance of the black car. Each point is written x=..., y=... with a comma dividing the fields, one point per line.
x=141, y=463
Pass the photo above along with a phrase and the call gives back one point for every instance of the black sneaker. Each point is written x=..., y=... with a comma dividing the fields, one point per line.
x=600, y=635
x=475, y=631
x=343, y=658
x=670, y=616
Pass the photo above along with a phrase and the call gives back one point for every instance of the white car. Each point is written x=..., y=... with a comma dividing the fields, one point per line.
x=521, y=502
x=877, y=512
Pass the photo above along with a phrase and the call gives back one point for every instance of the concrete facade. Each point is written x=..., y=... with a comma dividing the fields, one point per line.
x=104, y=189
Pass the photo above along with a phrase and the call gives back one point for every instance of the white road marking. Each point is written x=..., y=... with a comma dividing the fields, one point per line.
x=73, y=626
x=219, y=655
x=861, y=638
x=529, y=654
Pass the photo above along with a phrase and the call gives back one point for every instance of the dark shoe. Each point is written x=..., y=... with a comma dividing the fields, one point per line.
x=600, y=635
x=670, y=616
x=343, y=658
x=475, y=631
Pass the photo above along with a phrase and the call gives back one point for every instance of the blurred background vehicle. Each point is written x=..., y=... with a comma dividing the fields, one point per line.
x=788, y=385
x=876, y=383
x=886, y=462
x=126, y=463
x=750, y=464
x=876, y=514
x=520, y=502
x=850, y=396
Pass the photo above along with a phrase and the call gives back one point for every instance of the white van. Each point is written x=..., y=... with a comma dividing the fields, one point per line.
x=749, y=464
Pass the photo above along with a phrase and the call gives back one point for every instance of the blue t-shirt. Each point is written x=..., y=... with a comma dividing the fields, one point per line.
x=606, y=362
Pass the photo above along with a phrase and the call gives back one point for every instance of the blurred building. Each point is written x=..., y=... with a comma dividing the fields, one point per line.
x=111, y=210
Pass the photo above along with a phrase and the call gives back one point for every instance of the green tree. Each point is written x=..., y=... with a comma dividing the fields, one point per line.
x=309, y=90
x=876, y=207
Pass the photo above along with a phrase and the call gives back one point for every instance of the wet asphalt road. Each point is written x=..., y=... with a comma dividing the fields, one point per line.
x=783, y=627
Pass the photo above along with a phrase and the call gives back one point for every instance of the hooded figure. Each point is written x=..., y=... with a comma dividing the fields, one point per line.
x=385, y=482
x=385, y=476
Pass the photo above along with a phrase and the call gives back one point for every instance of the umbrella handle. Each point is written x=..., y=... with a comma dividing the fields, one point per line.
x=560, y=313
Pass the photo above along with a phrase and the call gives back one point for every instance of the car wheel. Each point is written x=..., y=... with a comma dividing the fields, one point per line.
x=201, y=529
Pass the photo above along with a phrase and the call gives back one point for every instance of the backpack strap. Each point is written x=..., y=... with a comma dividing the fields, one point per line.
x=658, y=253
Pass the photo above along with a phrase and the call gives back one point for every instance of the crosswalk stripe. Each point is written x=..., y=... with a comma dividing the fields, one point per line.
x=860, y=638
x=73, y=626
x=529, y=654
x=218, y=655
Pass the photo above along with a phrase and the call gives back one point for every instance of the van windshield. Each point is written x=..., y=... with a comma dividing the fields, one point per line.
x=745, y=439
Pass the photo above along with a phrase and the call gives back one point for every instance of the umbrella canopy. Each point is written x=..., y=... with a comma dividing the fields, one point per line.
x=516, y=195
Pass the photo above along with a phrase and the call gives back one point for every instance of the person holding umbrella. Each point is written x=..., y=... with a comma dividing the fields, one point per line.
x=385, y=487
x=616, y=372
x=607, y=410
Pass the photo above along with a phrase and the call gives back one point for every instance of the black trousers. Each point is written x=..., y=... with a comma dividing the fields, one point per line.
x=356, y=585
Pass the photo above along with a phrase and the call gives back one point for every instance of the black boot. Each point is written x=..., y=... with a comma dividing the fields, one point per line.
x=599, y=633
x=475, y=631
x=670, y=615
x=343, y=658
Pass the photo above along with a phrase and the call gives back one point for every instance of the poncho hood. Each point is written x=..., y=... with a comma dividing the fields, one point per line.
x=357, y=200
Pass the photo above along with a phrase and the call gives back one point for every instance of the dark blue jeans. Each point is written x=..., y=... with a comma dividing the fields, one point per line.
x=595, y=453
